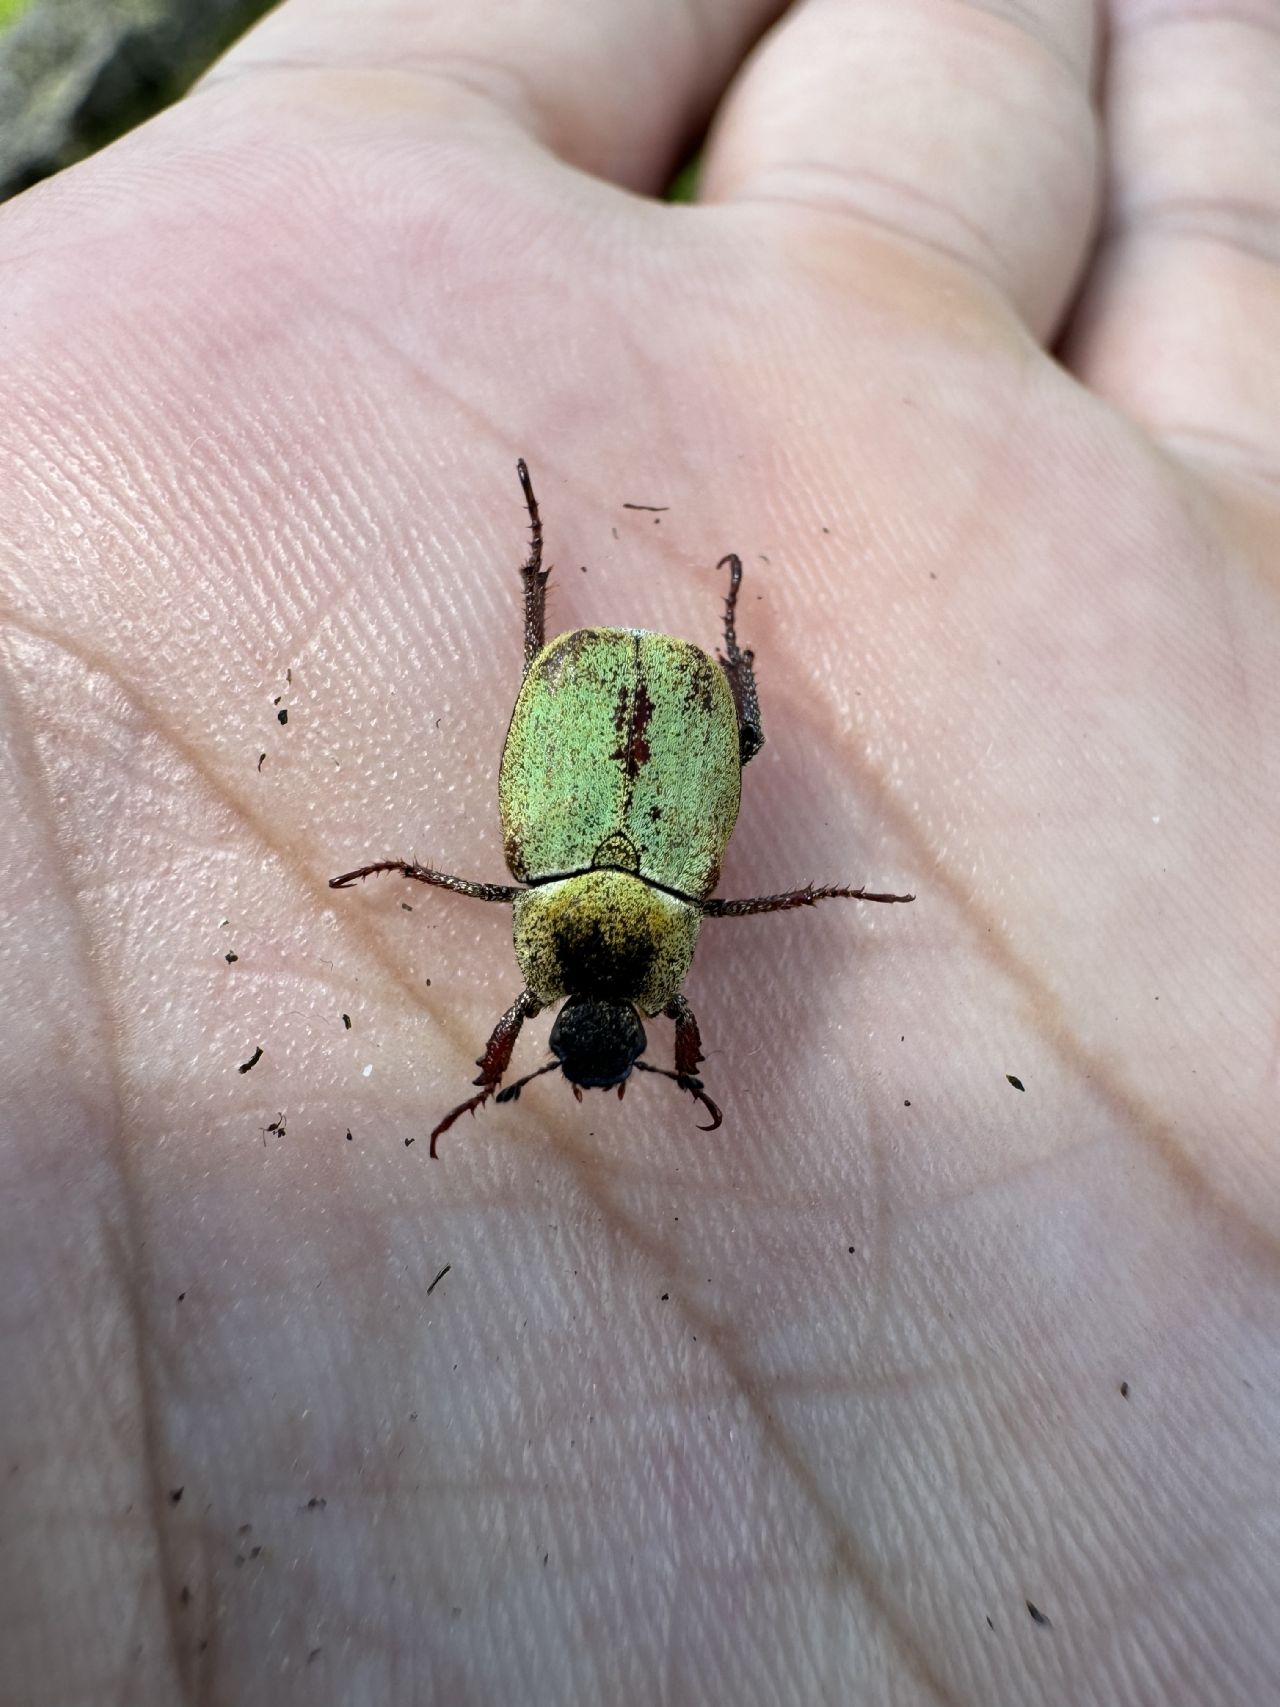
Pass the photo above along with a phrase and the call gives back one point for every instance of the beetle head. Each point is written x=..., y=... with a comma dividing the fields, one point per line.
x=597, y=1042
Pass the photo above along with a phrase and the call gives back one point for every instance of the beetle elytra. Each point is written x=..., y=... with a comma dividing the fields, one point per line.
x=618, y=792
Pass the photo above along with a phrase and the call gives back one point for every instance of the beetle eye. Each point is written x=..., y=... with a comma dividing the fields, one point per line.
x=597, y=1043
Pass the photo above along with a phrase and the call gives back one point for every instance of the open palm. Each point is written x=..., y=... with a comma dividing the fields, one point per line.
x=946, y=1369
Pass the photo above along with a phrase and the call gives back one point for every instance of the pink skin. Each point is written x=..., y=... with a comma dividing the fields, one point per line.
x=661, y=1434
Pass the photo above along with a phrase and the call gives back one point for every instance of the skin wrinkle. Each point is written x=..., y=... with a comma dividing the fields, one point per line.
x=846, y=1561
x=505, y=95
x=1048, y=1015
x=119, y=1243
x=983, y=258
x=223, y=793
x=526, y=125
x=1242, y=461
x=1027, y=20
x=1127, y=19
x=1237, y=224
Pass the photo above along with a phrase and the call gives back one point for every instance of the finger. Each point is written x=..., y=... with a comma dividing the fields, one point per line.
x=1180, y=323
x=617, y=87
x=963, y=126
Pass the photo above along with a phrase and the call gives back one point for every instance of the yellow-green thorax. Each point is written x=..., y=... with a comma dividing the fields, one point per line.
x=606, y=934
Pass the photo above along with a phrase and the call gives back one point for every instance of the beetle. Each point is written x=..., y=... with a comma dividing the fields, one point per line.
x=618, y=791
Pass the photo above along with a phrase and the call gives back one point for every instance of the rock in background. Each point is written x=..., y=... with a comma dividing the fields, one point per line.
x=74, y=74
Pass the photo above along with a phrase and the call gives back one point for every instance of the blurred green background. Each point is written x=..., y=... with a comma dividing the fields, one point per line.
x=75, y=74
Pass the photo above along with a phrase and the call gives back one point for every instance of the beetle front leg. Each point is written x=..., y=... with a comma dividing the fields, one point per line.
x=534, y=575
x=495, y=1060
x=739, y=666
x=688, y=1038
x=806, y=897
x=424, y=874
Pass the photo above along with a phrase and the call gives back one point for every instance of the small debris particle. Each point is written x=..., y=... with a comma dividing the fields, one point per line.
x=181, y=1296
x=409, y=1141
x=658, y=509
x=348, y=1134
x=317, y=1502
x=545, y=1557
x=245, y=1529
x=1015, y=1082
x=906, y=1102
x=428, y=983
x=852, y=1249
x=230, y=957
x=175, y=1494
x=990, y=1625
x=254, y=1552
x=277, y=1126
x=1038, y=1617
x=1124, y=1389
x=288, y=677
x=406, y=907
x=584, y=568
x=261, y=757
x=282, y=716
x=439, y=1278
x=664, y=1297
x=346, y=1020
x=223, y=923
x=314, y=1654
x=277, y=699
x=252, y=1061
x=184, y=1596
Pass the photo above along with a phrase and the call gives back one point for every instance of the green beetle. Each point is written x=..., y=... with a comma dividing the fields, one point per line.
x=618, y=791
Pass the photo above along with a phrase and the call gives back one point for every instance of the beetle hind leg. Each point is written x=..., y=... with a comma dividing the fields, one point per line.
x=533, y=575
x=739, y=667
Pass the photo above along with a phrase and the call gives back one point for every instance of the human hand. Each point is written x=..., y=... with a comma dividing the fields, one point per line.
x=810, y=1409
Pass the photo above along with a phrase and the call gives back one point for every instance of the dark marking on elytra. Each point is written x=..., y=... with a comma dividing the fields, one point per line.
x=633, y=749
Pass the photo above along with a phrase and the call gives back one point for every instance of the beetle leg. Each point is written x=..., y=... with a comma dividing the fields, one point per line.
x=688, y=1055
x=805, y=897
x=424, y=874
x=688, y=1038
x=495, y=1060
x=694, y=1088
x=739, y=666
x=534, y=575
